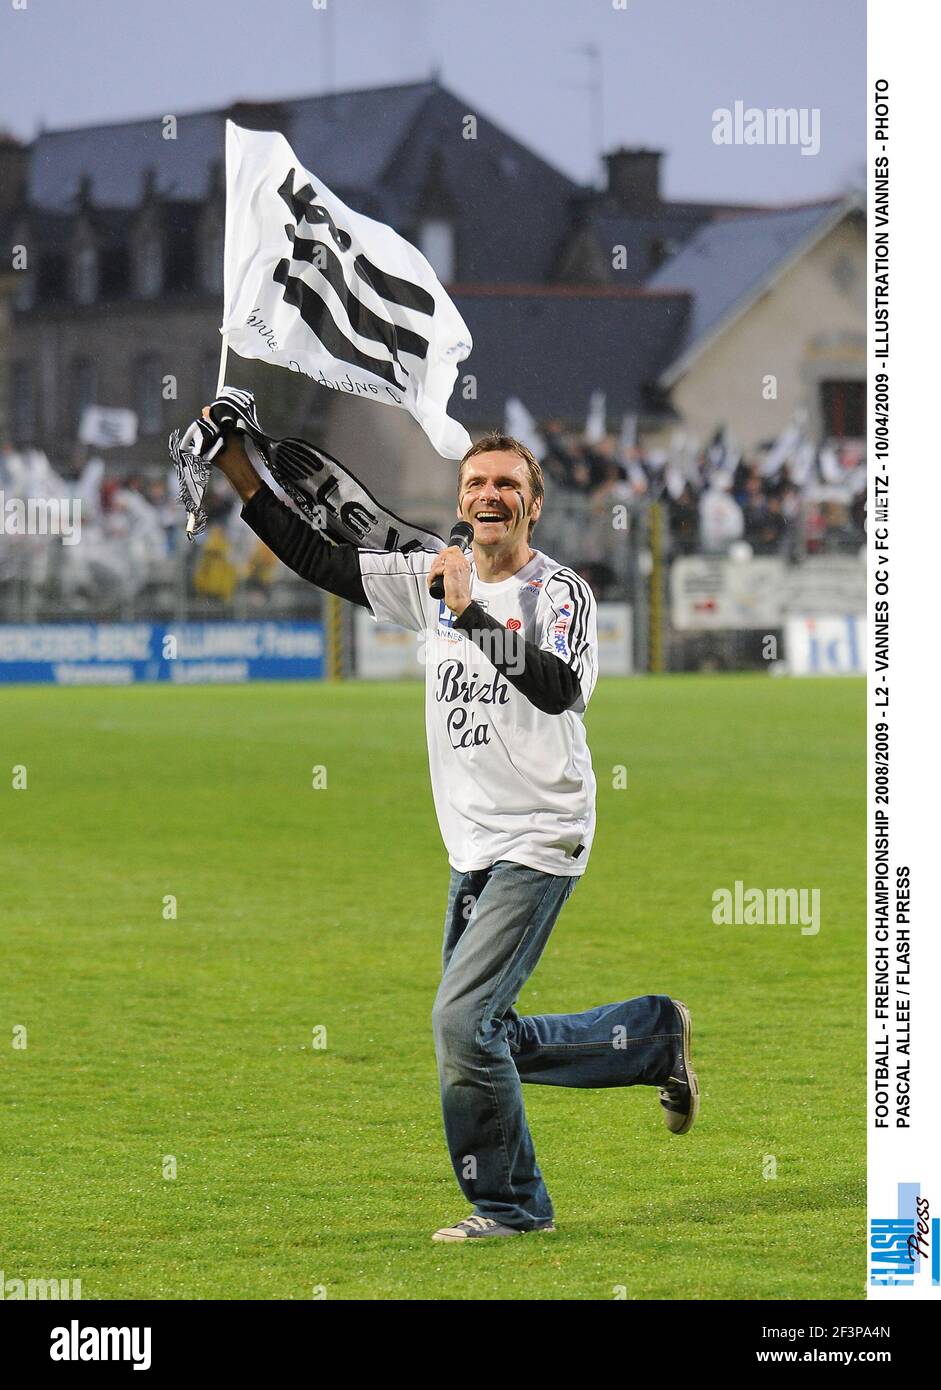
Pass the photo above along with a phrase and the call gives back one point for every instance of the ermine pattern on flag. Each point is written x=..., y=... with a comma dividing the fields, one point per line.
x=322, y=290
x=364, y=321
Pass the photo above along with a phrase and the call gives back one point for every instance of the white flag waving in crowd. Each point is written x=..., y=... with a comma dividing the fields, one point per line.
x=320, y=289
x=104, y=426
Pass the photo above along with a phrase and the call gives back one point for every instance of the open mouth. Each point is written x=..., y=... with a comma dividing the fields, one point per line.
x=489, y=517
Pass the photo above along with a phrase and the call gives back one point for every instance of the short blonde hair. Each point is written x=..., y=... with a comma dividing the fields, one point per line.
x=496, y=442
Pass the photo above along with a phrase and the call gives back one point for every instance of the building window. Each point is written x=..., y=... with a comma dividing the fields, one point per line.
x=114, y=273
x=148, y=266
x=843, y=405
x=436, y=243
x=213, y=252
x=83, y=389
x=22, y=404
x=53, y=278
x=179, y=268
x=85, y=275
x=148, y=400
x=24, y=289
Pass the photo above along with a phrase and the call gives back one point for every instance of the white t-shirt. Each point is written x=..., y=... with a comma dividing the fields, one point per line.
x=509, y=781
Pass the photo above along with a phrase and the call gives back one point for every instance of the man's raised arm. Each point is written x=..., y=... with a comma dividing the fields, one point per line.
x=331, y=567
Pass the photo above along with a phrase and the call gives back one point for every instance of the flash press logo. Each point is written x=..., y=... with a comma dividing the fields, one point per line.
x=41, y=516
x=778, y=125
x=898, y=1244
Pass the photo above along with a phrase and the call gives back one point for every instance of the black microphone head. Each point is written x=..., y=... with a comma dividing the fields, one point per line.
x=462, y=533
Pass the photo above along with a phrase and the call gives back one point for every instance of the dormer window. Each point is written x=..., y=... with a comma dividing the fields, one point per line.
x=148, y=401
x=83, y=389
x=436, y=243
x=24, y=289
x=85, y=275
x=23, y=403
x=148, y=265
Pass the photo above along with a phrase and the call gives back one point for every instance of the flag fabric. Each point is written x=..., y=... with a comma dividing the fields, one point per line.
x=519, y=424
x=627, y=440
x=722, y=453
x=783, y=449
x=322, y=290
x=675, y=481
x=596, y=423
x=831, y=471
x=106, y=426
x=327, y=495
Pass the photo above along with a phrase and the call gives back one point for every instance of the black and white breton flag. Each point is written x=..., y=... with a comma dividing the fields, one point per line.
x=105, y=426
x=327, y=495
x=320, y=289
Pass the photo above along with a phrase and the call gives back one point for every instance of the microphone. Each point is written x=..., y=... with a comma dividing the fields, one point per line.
x=462, y=533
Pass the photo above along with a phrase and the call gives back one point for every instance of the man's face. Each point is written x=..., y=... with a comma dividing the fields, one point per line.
x=495, y=497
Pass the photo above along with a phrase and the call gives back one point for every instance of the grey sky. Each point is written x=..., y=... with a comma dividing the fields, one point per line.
x=667, y=65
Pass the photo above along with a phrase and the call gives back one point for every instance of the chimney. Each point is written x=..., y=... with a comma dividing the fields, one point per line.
x=13, y=164
x=634, y=177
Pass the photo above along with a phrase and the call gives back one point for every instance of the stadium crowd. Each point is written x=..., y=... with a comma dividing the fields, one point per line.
x=792, y=498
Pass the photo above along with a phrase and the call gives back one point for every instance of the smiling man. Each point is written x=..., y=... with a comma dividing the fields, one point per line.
x=511, y=663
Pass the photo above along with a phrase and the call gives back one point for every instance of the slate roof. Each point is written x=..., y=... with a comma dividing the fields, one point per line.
x=376, y=148
x=552, y=346
x=728, y=262
x=672, y=224
x=349, y=139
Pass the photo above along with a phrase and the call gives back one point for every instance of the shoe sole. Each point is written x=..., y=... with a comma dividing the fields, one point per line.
x=463, y=1240
x=690, y=1120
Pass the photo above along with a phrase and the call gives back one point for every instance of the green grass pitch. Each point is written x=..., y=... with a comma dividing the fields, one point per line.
x=303, y=1169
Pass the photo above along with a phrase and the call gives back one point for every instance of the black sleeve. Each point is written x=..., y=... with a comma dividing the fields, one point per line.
x=545, y=680
x=331, y=567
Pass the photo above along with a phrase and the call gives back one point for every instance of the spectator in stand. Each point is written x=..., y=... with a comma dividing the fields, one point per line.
x=754, y=506
x=721, y=520
x=767, y=532
x=558, y=462
x=614, y=488
x=580, y=472
x=815, y=528
x=858, y=516
x=684, y=522
x=841, y=534
x=599, y=457
x=744, y=470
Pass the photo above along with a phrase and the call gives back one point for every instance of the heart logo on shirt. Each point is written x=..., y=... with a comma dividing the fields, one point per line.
x=513, y=623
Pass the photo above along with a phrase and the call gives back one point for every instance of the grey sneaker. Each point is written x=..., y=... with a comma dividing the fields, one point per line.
x=679, y=1095
x=473, y=1227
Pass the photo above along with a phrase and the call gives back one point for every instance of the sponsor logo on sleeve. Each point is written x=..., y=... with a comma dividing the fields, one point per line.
x=559, y=639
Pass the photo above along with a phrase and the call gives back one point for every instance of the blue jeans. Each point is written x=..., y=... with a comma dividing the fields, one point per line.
x=497, y=924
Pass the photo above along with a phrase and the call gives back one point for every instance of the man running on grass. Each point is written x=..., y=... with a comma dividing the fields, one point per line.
x=511, y=662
